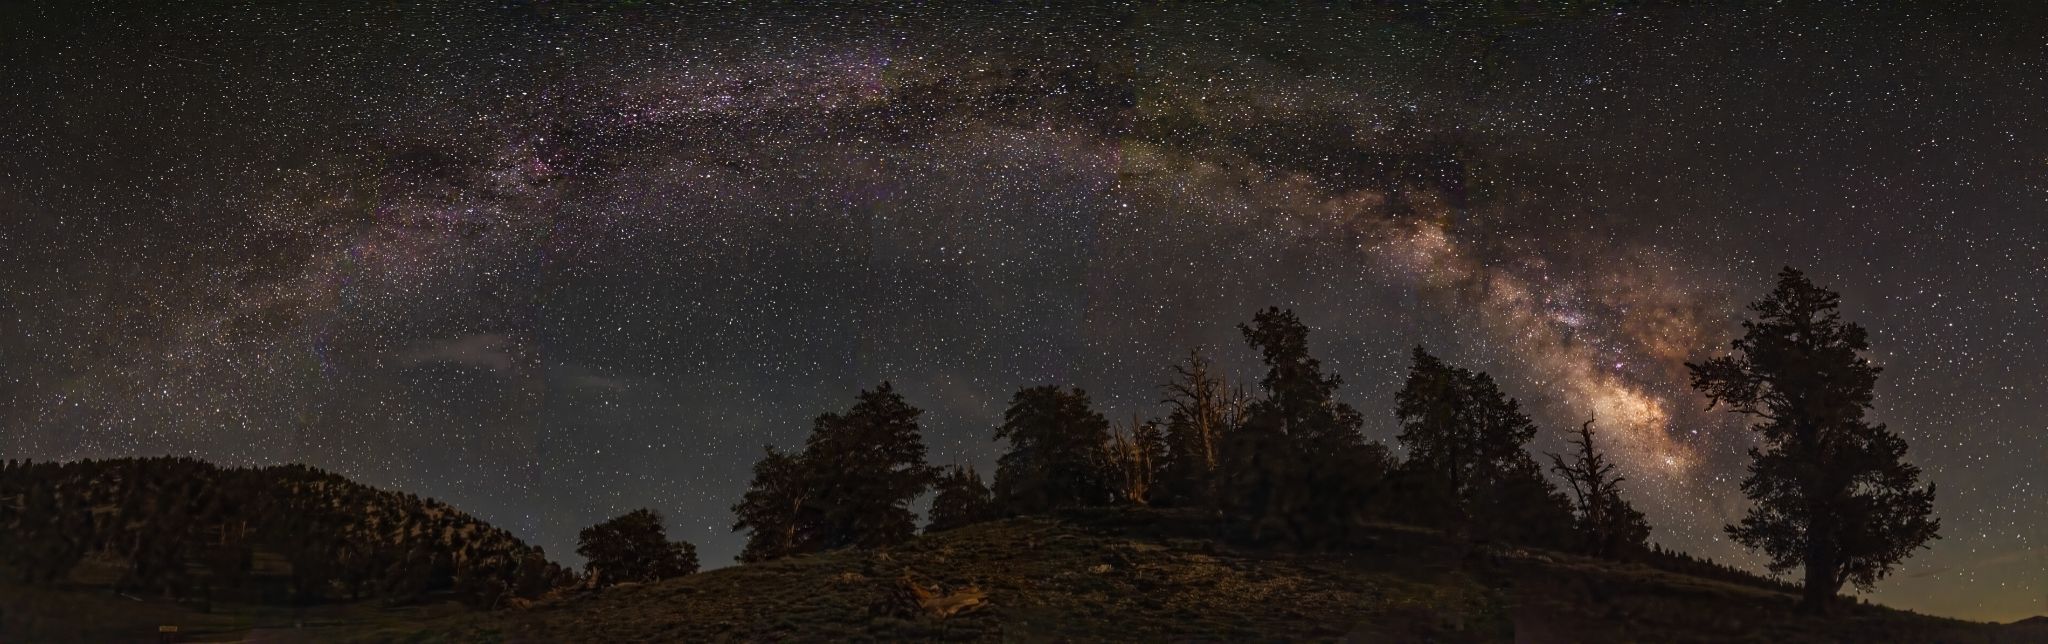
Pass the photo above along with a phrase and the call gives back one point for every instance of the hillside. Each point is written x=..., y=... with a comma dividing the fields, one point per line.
x=193, y=531
x=1110, y=575
x=1133, y=576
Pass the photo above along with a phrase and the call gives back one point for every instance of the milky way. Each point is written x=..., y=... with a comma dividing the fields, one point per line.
x=554, y=262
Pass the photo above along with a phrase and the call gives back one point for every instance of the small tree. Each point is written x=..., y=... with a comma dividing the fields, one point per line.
x=962, y=500
x=1056, y=456
x=1833, y=492
x=1608, y=525
x=633, y=547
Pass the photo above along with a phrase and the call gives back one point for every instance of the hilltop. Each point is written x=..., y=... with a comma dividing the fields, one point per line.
x=1136, y=575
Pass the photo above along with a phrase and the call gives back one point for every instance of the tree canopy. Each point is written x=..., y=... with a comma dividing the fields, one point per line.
x=1832, y=491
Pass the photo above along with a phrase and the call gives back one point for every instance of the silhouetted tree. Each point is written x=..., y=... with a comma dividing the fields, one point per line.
x=851, y=486
x=774, y=510
x=1056, y=452
x=1203, y=410
x=863, y=468
x=534, y=575
x=1134, y=457
x=1833, y=492
x=962, y=500
x=1298, y=463
x=633, y=547
x=1467, y=467
x=1608, y=525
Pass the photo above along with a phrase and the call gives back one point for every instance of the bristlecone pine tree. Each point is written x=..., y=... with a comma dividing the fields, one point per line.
x=1608, y=525
x=633, y=547
x=1203, y=410
x=851, y=486
x=962, y=500
x=1056, y=457
x=773, y=511
x=1833, y=492
x=1135, y=456
x=864, y=468
x=1299, y=464
x=1465, y=439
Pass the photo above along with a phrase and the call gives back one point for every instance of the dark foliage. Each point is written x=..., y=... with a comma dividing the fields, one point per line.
x=1467, y=468
x=1297, y=467
x=187, y=529
x=1057, y=456
x=1833, y=491
x=633, y=547
x=851, y=486
x=774, y=509
x=962, y=500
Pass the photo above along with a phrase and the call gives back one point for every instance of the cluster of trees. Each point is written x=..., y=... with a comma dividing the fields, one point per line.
x=633, y=548
x=1287, y=462
x=1283, y=461
x=187, y=529
x=852, y=485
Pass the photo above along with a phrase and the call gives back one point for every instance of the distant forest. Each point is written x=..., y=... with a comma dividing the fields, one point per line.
x=1277, y=462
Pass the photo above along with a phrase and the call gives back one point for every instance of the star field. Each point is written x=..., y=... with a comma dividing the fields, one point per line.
x=550, y=262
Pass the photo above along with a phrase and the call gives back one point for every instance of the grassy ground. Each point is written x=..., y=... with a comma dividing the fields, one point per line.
x=96, y=615
x=1129, y=577
x=1139, y=577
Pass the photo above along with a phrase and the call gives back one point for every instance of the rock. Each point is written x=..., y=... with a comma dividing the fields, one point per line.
x=908, y=598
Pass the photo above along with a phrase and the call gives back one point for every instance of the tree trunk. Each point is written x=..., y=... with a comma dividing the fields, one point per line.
x=1821, y=582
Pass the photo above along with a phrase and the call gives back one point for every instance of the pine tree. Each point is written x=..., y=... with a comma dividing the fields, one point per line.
x=1465, y=440
x=774, y=510
x=851, y=486
x=1833, y=493
x=1056, y=452
x=1608, y=525
x=1203, y=409
x=864, y=467
x=1298, y=463
x=633, y=547
x=1135, y=457
x=962, y=500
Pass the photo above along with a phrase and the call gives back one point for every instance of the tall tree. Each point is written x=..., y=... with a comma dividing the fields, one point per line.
x=633, y=547
x=962, y=500
x=1608, y=525
x=1203, y=409
x=1465, y=440
x=774, y=510
x=864, y=467
x=1298, y=463
x=1833, y=493
x=1056, y=452
x=851, y=486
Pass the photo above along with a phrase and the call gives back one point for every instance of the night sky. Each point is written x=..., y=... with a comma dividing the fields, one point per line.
x=551, y=262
